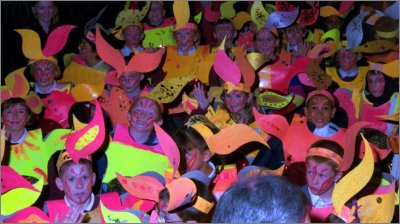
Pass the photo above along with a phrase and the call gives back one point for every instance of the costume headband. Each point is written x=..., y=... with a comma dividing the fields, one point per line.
x=129, y=17
x=56, y=40
x=326, y=153
x=203, y=205
x=140, y=62
x=64, y=157
x=391, y=69
x=321, y=92
x=390, y=34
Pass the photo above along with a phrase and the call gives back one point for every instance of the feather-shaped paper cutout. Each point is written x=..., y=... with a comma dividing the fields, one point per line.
x=345, y=6
x=258, y=14
x=145, y=62
x=274, y=100
x=326, y=11
x=57, y=40
x=11, y=180
x=34, y=102
x=282, y=19
x=197, y=18
x=181, y=192
x=227, y=10
x=143, y=187
x=181, y=13
x=210, y=15
x=393, y=10
x=240, y=19
x=225, y=68
x=167, y=90
x=375, y=46
x=248, y=73
x=309, y=16
x=30, y=214
x=353, y=181
x=257, y=59
x=86, y=92
x=318, y=75
x=354, y=31
x=31, y=46
x=17, y=84
x=168, y=146
x=273, y=124
x=391, y=69
x=122, y=216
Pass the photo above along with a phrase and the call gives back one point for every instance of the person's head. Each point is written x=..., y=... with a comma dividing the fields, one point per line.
x=143, y=113
x=186, y=37
x=46, y=11
x=87, y=49
x=133, y=35
x=224, y=28
x=45, y=72
x=190, y=212
x=75, y=179
x=239, y=105
x=320, y=107
x=375, y=83
x=323, y=161
x=15, y=114
x=262, y=199
x=193, y=148
x=156, y=13
x=347, y=59
x=266, y=41
x=387, y=29
x=295, y=34
x=130, y=82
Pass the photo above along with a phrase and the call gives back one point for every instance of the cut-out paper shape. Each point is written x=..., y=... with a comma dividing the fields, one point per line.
x=181, y=192
x=393, y=10
x=248, y=73
x=240, y=19
x=87, y=92
x=354, y=32
x=210, y=15
x=376, y=46
x=135, y=203
x=390, y=117
x=78, y=73
x=345, y=6
x=181, y=13
x=318, y=76
x=284, y=6
x=197, y=18
x=324, y=50
x=168, y=145
x=2, y=143
x=225, y=68
x=159, y=37
x=391, y=69
x=333, y=34
x=274, y=100
x=24, y=196
x=11, y=180
x=273, y=124
x=282, y=19
x=326, y=11
x=123, y=216
x=227, y=141
x=189, y=104
x=227, y=10
x=129, y=17
x=143, y=187
x=309, y=16
x=28, y=215
x=58, y=104
x=167, y=90
x=257, y=59
x=89, y=139
x=353, y=181
x=258, y=14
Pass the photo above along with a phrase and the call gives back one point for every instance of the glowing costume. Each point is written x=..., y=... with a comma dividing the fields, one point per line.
x=116, y=104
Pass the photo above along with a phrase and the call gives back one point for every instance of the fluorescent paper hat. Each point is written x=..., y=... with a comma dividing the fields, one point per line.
x=64, y=157
x=344, y=8
x=391, y=69
x=182, y=15
x=354, y=31
x=140, y=62
x=55, y=42
x=129, y=17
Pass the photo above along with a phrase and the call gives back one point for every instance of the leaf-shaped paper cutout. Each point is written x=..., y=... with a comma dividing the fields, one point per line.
x=24, y=196
x=375, y=46
x=143, y=187
x=309, y=16
x=17, y=84
x=210, y=15
x=144, y=62
x=393, y=10
x=168, y=145
x=86, y=92
x=274, y=100
x=34, y=102
x=167, y=90
x=31, y=46
x=273, y=124
x=324, y=50
x=333, y=34
x=258, y=14
x=225, y=68
x=328, y=10
x=227, y=141
x=282, y=19
x=240, y=19
x=197, y=18
x=390, y=117
x=30, y=214
x=121, y=216
x=345, y=6
x=181, y=192
x=89, y=139
x=248, y=73
x=354, y=32
x=181, y=13
x=108, y=54
x=11, y=180
x=257, y=59
x=353, y=181
x=377, y=208
x=227, y=10
x=284, y=6
x=57, y=40
x=318, y=76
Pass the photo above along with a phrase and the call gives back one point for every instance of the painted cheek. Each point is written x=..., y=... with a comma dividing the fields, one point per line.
x=191, y=160
x=67, y=188
x=135, y=115
x=326, y=184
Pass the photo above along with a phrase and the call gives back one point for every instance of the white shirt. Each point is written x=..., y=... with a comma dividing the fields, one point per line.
x=317, y=202
x=349, y=74
x=126, y=50
x=326, y=131
x=191, y=51
x=37, y=90
x=21, y=139
x=88, y=207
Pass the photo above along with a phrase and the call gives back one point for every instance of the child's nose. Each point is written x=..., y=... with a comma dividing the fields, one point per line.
x=79, y=183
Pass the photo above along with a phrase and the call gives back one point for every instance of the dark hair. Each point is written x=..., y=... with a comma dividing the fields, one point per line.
x=14, y=101
x=391, y=86
x=262, y=199
x=68, y=163
x=330, y=145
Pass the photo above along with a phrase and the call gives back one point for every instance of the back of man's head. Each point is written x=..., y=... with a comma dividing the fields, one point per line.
x=264, y=199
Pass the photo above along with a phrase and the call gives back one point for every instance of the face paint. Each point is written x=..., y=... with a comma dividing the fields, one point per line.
x=236, y=101
x=184, y=39
x=129, y=82
x=194, y=159
x=15, y=117
x=265, y=42
x=133, y=35
x=376, y=84
x=320, y=110
x=320, y=177
x=143, y=115
x=347, y=59
x=44, y=73
x=77, y=182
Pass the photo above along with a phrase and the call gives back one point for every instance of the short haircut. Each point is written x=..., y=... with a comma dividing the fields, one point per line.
x=14, y=101
x=330, y=145
x=68, y=163
x=262, y=199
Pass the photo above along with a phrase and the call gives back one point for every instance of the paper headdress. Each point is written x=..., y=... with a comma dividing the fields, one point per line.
x=64, y=157
x=354, y=31
x=182, y=15
x=391, y=69
x=56, y=40
x=18, y=86
x=168, y=146
x=129, y=17
x=344, y=8
x=140, y=62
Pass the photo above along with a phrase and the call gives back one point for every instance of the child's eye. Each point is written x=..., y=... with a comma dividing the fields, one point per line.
x=86, y=177
x=70, y=179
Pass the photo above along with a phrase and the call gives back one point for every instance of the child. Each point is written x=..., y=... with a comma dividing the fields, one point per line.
x=296, y=44
x=223, y=28
x=76, y=180
x=133, y=36
x=141, y=116
x=323, y=161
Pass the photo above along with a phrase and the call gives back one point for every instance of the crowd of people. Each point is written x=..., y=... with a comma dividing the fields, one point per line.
x=224, y=112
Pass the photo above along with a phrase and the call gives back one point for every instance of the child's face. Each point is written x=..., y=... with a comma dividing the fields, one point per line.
x=129, y=82
x=156, y=13
x=347, y=59
x=294, y=34
x=164, y=216
x=319, y=110
x=86, y=50
x=320, y=177
x=376, y=84
x=185, y=39
x=44, y=72
x=133, y=35
x=236, y=101
x=266, y=42
x=77, y=182
x=194, y=159
x=222, y=30
x=143, y=115
x=15, y=117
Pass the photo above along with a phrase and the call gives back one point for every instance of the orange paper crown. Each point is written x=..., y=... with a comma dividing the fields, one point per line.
x=64, y=157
